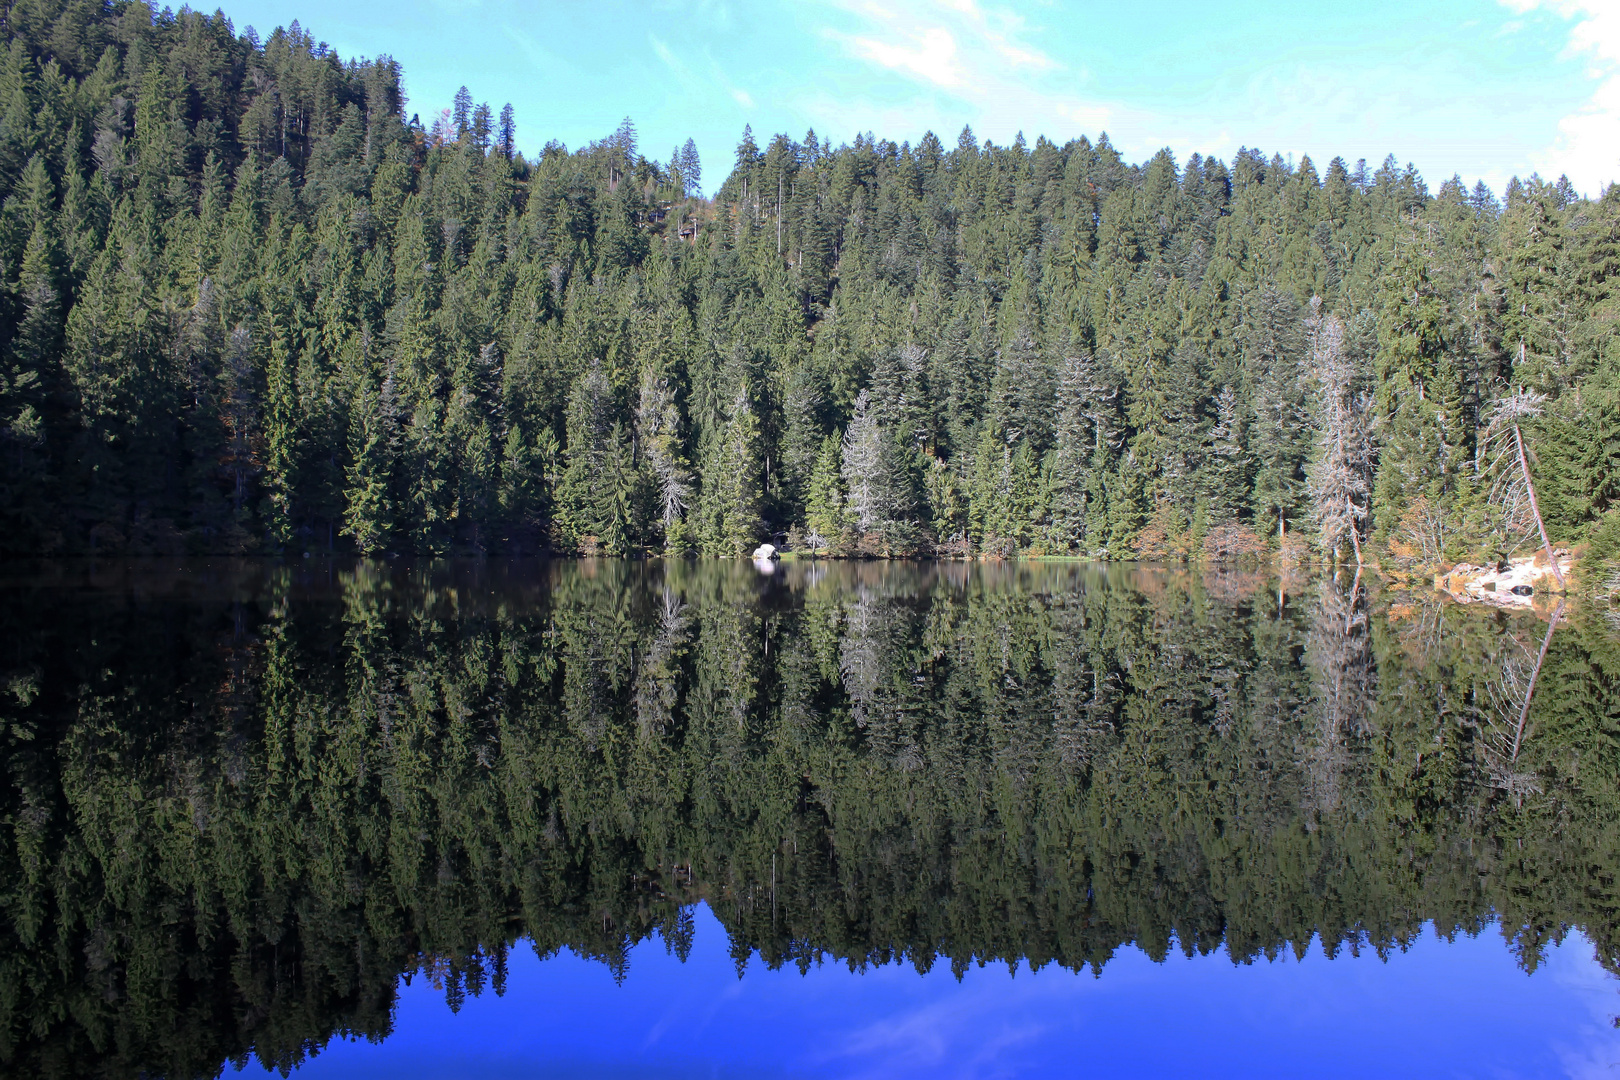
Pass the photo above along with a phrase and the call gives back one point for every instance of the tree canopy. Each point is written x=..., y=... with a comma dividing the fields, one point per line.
x=249, y=303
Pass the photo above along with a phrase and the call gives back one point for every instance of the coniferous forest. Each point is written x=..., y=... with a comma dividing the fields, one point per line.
x=252, y=300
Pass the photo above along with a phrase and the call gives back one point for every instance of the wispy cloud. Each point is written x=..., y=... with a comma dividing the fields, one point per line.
x=975, y=56
x=693, y=83
x=541, y=58
x=671, y=61
x=1587, y=148
x=953, y=44
x=931, y=56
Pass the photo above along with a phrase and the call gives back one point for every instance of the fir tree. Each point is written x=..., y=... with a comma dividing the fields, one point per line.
x=824, y=521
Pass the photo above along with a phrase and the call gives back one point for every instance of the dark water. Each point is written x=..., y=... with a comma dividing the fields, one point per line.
x=647, y=819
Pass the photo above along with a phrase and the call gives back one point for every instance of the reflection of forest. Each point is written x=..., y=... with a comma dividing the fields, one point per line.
x=242, y=801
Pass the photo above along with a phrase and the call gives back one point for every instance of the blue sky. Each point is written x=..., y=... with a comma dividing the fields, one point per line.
x=1485, y=88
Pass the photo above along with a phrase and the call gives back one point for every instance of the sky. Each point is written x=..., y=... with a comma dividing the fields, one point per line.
x=1486, y=89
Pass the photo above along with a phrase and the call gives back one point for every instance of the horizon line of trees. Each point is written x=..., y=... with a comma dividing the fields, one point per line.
x=247, y=305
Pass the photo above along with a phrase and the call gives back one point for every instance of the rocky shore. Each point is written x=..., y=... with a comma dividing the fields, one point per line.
x=1510, y=583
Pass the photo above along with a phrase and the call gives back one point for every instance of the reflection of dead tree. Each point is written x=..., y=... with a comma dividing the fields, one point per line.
x=869, y=655
x=1535, y=673
x=1339, y=656
x=1423, y=634
x=658, y=682
x=1509, y=713
x=1512, y=491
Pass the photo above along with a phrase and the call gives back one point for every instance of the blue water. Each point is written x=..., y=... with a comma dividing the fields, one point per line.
x=1439, y=1009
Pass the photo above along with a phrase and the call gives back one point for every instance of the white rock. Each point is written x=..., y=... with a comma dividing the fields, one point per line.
x=765, y=551
x=1468, y=583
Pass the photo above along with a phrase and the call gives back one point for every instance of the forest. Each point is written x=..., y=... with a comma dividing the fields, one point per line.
x=251, y=302
x=241, y=799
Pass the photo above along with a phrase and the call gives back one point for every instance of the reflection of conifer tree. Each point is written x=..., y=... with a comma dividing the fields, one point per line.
x=658, y=684
x=990, y=761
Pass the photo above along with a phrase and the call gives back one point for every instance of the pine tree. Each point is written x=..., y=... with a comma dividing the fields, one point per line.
x=824, y=514
x=461, y=111
x=281, y=445
x=597, y=487
x=506, y=134
x=1084, y=442
x=691, y=170
x=31, y=365
x=658, y=431
x=1277, y=438
x=369, y=515
x=1418, y=402
x=729, y=512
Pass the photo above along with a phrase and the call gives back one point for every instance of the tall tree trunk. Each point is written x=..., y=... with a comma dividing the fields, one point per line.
x=1355, y=539
x=1535, y=508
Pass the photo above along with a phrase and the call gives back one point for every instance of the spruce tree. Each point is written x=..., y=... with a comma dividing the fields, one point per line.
x=824, y=514
x=369, y=514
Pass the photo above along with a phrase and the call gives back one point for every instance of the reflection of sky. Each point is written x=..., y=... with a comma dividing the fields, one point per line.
x=1438, y=1010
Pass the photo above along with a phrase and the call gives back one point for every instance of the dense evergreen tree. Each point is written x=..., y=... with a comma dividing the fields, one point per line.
x=217, y=251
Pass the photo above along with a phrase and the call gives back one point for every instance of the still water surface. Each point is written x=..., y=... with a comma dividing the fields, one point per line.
x=688, y=819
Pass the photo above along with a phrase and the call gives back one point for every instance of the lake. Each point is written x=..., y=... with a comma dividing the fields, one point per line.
x=679, y=819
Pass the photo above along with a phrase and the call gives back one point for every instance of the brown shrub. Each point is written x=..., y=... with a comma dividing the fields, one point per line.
x=1234, y=543
x=1164, y=536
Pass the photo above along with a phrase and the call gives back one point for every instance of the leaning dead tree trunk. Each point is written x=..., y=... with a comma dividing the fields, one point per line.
x=1513, y=487
x=1535, y=508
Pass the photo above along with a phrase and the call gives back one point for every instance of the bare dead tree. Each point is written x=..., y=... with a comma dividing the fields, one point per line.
x=1423, y=527
x=1338, y=479
x=1513, y=492
x=863, y=465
